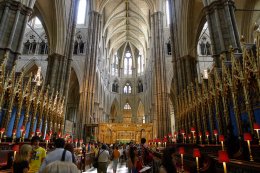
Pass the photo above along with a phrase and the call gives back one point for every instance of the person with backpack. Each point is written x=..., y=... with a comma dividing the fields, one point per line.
x=103, y=159
x=58, y=154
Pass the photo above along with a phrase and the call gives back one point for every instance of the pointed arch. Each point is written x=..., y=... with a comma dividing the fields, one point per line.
x=114, y=110
x=172, y=116
x=140, y=112
x=127, y=112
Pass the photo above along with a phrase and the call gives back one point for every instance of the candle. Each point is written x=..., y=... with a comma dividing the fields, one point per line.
x=189, y=136
x=207, y=135
x=200, y=135
x=196, y=154
x=183, y=139
x=221, y=139
x=2, y=130
x=15, y=149
x=47, y=138
x=23, y=135
x=223, y=158
x=248, y=138
x=193, y=136
x=216, y=135
x=32, y=134
x=257, y=128
x=38, y=132
x=14, y=136
x=175, y=136
x=181, y=152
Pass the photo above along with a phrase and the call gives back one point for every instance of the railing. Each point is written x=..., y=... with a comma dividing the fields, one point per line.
x=208, y=161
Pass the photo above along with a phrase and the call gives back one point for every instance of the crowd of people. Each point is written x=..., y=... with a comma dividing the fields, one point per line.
x=34, y=159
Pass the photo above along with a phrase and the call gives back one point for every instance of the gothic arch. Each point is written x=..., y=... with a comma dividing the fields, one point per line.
x=114, y=110
x=31, y=66
x=172, y=116
x=73, y=95
x=140, y=112
x=54, y=20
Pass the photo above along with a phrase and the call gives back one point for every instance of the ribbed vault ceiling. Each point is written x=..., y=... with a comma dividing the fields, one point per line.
x=126, y=21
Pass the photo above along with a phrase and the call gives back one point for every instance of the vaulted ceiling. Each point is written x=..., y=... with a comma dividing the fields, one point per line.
x=126, y=21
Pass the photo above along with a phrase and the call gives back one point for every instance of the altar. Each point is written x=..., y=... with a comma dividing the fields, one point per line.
x=124, y=132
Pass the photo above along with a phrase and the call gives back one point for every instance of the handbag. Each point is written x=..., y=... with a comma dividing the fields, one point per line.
x=95, y=163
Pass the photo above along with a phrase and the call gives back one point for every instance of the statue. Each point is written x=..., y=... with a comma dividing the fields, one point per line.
x=169, y=47
x=208, y=48
x=140, y=87
x=202, y=48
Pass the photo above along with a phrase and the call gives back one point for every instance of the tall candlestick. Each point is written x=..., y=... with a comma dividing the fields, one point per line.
x=248, y=138
x=257, y=131
x=182, y=169
x=257, y=128
x=249, y=149
x=197, y=163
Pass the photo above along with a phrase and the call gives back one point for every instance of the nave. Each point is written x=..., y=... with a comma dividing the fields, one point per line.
x=121, y=168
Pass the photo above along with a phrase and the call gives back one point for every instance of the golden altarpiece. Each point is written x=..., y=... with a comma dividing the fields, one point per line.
x=124, y=132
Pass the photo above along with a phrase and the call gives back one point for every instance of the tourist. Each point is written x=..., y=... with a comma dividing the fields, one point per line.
x=134, y=163
x=21, y=160
x=61, y=167
x=70, y=148
x=103, y=159
x=58, y=154
x=115, y=156
x=38, y=155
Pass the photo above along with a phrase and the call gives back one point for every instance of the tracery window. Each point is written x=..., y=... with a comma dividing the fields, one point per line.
x=204, y=51
x=127, y=88
x=128, y=62
x=115, y=65
x=127, y=106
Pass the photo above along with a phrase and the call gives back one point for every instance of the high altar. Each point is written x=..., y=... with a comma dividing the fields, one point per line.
x=124, y=132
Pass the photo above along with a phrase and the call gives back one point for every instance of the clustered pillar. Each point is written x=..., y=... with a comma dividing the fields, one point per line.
x=14, y=16
x=86, y=108
x=162, y=107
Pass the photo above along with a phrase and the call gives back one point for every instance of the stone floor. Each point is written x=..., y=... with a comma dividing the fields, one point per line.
x=121, y=168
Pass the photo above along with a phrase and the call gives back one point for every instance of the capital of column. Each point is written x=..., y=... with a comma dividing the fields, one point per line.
x=18, y=6
x=157, y=14
x=96, y=13
x=188, y=57
x=209, y=7
x=56, y=55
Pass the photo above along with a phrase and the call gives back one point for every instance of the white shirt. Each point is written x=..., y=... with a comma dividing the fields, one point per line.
x=54, y=156
x=103, y=156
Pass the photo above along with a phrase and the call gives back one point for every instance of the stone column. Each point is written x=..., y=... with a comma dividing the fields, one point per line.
x=87, y=96
x=175, y=51
x=162, y=107
x=59, y=66
x=53, y=75
x=222, y=26
x=14, y=15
